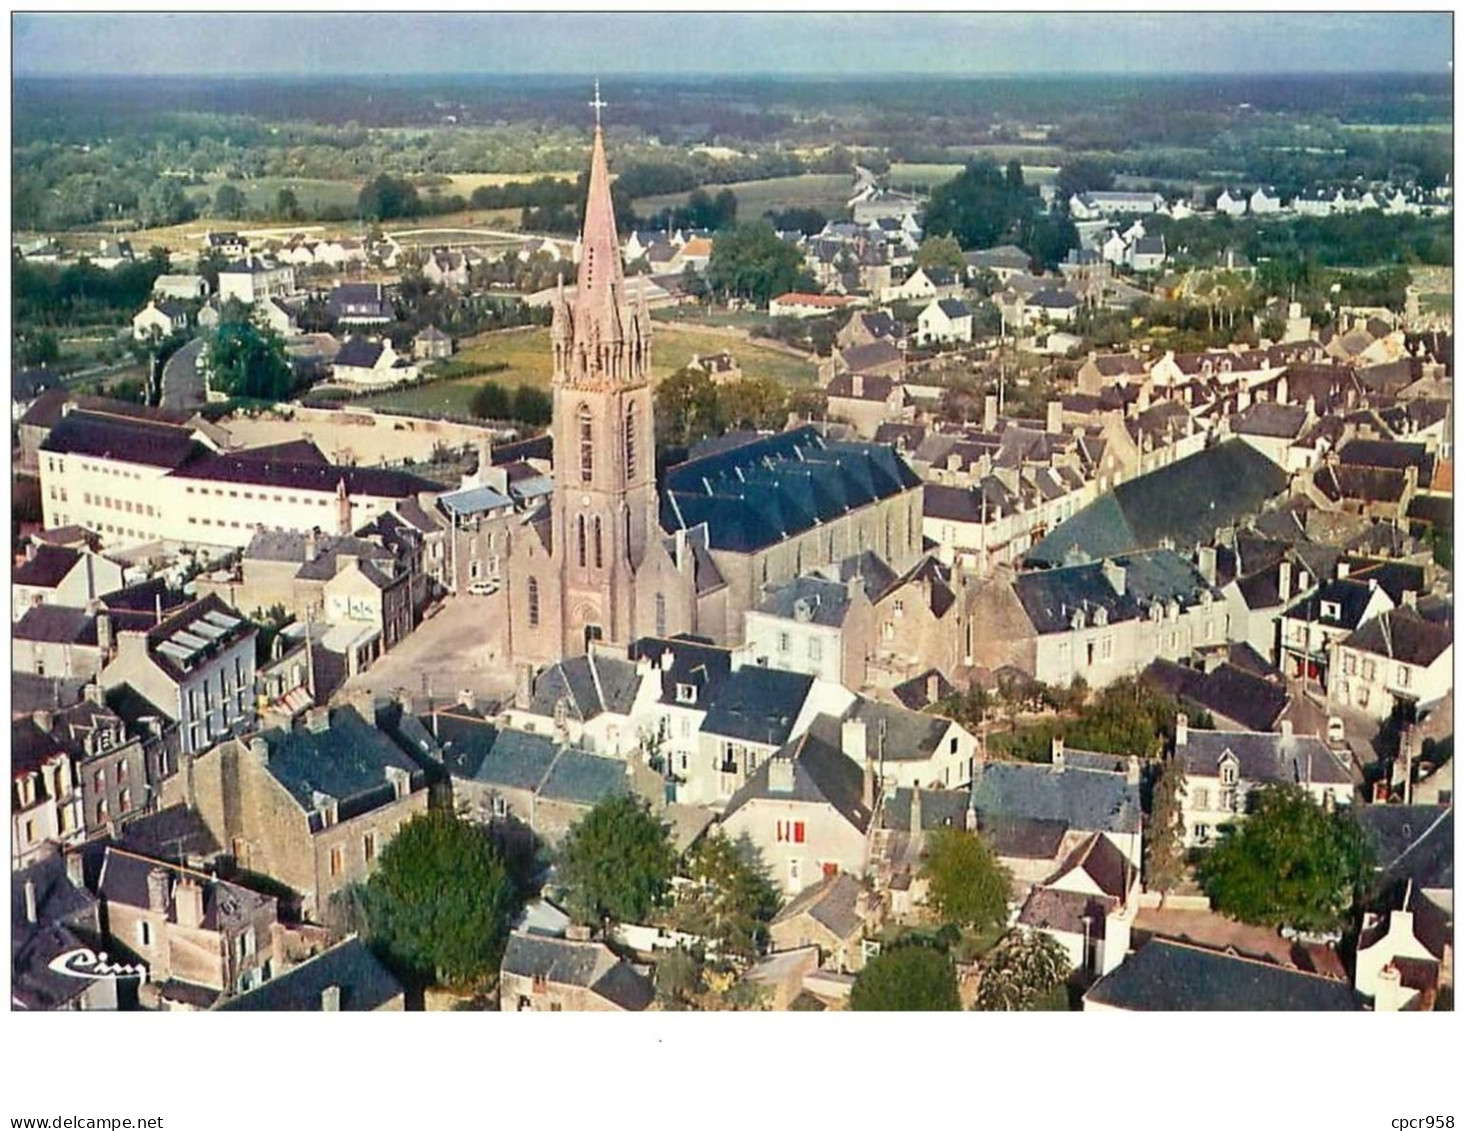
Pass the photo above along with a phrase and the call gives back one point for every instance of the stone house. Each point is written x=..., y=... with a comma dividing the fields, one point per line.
x=158, y=320
x=813, y=625
x=364, y=363
x=45, y=797
x=202, y=938
x=833, y=915
x=431, y=344
x=1087, y=906
x=1394, y=663
x=61, y=575
x=345, y=978
x=945, y=320
x=311, y=807
x=542, y=974
x=809, y=808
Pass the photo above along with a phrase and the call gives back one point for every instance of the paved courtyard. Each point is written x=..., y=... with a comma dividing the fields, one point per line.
x=454, y=650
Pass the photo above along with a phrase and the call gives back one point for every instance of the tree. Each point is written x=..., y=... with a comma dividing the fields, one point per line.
x=1084, y=175
x=678, y=978
x=732, y=899
x=750, y=261
x=809, y=221
x=912, y=978
x=753, y=402
x=617, y=863
x=968, y=884
x=1165, y=834
x=230, y=202
x=246, y=359
x=439, y=903
x=941, y=251
x=165, y=203
x=287, y=204
x=979, y=206
x=385, y=197
x=1021, y=971
x=688, y=408
x=491, y=401
x=1290, y=863
x=39, y=348
x=532, y=406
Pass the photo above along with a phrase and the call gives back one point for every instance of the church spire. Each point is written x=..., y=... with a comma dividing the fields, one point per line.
x=600, y=249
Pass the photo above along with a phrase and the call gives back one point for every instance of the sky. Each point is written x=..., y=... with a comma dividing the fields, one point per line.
x=191, y=43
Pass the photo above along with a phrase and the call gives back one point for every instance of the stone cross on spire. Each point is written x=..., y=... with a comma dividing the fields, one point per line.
x=597, y=105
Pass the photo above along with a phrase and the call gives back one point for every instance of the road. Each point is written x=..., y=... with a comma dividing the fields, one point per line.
x=183, y=384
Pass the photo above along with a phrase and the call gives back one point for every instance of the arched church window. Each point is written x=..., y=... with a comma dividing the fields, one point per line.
x=587, y=444
x=661, y=614
x=599, y=546
x=580, y=538
x=631, y=440
x=533, y=602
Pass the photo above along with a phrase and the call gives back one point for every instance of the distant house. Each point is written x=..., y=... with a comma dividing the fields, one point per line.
x=1003, y=262
x=1230, y=205
x=272, y=313
x=722, y=367
x=447, y=269
x=61, y=575
x=186, y=288
x=1148, y=253
x=231, y=244
x=549, y=974
x=1395, y=662
x=159, y=320
x=431, y=344
x=1054, y=306
x=798, y=305
x=254, y=278
x=365, y=363
x=1264, y=202
x=1221, y=767
x=360, y=304
x=945, y=320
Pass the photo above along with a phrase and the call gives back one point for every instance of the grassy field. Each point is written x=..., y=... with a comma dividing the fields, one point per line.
x=825, y=191
x=312, y=194
x=465, y=183
x=526, y=353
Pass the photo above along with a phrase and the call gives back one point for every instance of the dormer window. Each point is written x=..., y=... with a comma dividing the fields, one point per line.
x=1228, y=773
x=1101, y=617
x=1331, y=610
x=686, y=693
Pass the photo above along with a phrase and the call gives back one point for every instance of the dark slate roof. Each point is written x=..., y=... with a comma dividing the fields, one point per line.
x=940, y=808
x=359, y=353
x=303, y=476
x=584, y=779
x=58, y=900
x=1350, y=595
x=1172, y=976
x=1100, y=859
x=1023, y=838
x=1273, y=758
x=464, y=740
x=810, y=599
x=1402, y=634
x=1054, y=299
x=1086, y=800
x=364, y=984
x=208, y=619
x=916, y=694
x=124, y=880
x=953, y=308
x=823, y=774
x=168, y=833
x=1071, y=912
x=30, y=692
x=1437, y=510
x=872, y=355
x=1244, y=697
x=1279, y=421
x=588, y=965
x=130, y=441
x=589, y=685
x=518, y=760
x=758, y=704
x=1394, y=577
x=909, y=736
x=48, y=568
x=34, y=985
x=1412, y=842
x=761, y=493
x=347, y=761
x=1186, y=501
x=1387, y=453
x=694, y=663
x=56, y=624
x=832, y=903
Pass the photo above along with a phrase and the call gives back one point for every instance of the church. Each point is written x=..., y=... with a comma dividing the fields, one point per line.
x=610, y=557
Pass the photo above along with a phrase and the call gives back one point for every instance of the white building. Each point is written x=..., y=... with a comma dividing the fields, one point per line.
x=1397, y=660
x=945, y=320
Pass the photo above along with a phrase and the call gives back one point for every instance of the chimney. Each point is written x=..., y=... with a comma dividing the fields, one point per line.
x=30, y=551
x=330, y=999
x=94, y=694
x=971, y=818
x=312, y=545
x=577, y=932
x=857, y=385
x=467, y=699
x=933, y=687
x=916, y=813
x=781, y=775
x=318, y=720
x=1055, y=417
x=867, y=785
x=1205, y=563
x=1286, y=730
x=188, y=902
x=1057, y=753
x=1284, y=581
x=1182, y=729
x=260, y=749
x=853, y=740
x=43, y=719
x=158, y=890
x=1282, y=389
x=1131, y=769
x=1409, y=599
x=989, y=413
x=74, y=871
x=1390, y=990
x=1343, y=568
x=524, y=688
x=1114, y=574
x=30, y=901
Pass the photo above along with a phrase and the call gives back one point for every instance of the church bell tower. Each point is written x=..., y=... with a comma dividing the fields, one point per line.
x=604, y=508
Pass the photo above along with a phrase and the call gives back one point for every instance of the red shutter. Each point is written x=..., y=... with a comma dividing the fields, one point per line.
x=798, y=832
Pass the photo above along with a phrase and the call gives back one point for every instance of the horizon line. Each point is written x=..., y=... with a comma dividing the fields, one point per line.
x=663, y=76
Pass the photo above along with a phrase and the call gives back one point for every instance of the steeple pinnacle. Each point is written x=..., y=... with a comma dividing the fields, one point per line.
x=600, y=249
